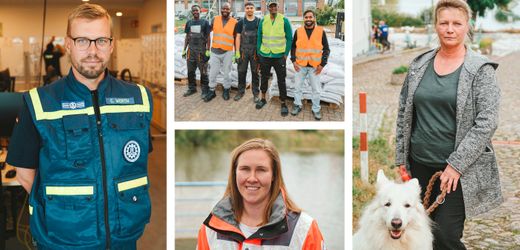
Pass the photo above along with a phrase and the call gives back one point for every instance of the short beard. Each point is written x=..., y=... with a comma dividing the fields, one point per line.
x=90, y=73
x=306, y=25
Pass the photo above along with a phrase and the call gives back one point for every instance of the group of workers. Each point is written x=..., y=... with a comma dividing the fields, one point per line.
x=260, y=44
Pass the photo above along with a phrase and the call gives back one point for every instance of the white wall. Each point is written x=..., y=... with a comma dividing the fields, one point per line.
x=361, y=33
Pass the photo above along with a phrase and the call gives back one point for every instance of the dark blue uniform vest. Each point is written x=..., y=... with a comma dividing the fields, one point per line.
x=91, y=186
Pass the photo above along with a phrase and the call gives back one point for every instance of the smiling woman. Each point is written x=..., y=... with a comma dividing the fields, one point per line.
x=256, y=210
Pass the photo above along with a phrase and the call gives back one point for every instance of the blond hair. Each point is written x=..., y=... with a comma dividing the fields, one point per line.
x=456, y=4
x=90, y=12
x=277, y=186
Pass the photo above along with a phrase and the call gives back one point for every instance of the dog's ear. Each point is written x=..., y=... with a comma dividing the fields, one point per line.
x=381, y=178
x=414, y=183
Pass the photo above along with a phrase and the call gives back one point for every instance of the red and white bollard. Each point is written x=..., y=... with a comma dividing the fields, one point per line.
x=363, y=137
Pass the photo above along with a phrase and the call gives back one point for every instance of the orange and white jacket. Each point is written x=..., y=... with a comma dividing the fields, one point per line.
x=285, y=230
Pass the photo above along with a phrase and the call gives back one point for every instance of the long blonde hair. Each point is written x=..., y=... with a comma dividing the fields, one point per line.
x=277, y=186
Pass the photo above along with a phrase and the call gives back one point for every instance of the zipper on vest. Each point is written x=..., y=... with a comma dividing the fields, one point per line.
x=95, y=103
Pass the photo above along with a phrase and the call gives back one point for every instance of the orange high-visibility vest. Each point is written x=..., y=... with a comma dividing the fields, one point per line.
x=223, y=35
x=309, y=51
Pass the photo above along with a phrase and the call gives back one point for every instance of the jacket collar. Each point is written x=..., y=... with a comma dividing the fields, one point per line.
x=472, y=60
x=76, y=85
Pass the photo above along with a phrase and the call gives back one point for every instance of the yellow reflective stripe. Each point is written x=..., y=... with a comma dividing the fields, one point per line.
x=273, y=37
x=132, y=184
x=107, y=109
x=69, y=190
x=30, y=210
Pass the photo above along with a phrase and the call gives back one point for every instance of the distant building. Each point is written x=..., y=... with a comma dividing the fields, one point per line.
x=290, y=7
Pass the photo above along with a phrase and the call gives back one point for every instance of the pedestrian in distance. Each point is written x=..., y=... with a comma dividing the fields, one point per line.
x=448, y=113
x=196, y=51
x=256, y=211
x=80, y=147
x=273, y=46
x=245, y=55
x=309, y=53
x=223, y=28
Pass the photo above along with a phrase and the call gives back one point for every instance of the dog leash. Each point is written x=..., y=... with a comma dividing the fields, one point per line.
x=440, y=198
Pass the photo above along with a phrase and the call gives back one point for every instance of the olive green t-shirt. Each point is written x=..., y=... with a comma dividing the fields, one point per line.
x=434, y=125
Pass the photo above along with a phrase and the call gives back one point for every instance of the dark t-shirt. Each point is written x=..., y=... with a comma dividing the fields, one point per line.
x=250, y=25
x=25, y=142
x=201, y=25
x=434, y=125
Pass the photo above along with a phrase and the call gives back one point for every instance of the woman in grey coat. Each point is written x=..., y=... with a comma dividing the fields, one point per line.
x=448, y=113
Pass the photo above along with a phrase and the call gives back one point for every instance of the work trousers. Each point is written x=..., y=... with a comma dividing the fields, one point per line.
x=197, y=60
x=220, y=62
x=279, y=67
x=314, y=80
x=448, y=217
x=248, y=57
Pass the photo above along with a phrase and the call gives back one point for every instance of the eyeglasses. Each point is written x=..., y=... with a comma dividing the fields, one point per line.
x=83, y=43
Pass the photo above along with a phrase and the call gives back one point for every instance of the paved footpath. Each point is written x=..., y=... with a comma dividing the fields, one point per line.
x=193, y=108
x=499, y=228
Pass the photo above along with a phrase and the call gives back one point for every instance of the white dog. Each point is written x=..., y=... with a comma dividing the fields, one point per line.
x=395, y=219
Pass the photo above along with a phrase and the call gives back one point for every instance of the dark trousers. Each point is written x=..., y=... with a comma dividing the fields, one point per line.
x=197, y=60
x=279, y=67
x=448, y=217
x=248, y=57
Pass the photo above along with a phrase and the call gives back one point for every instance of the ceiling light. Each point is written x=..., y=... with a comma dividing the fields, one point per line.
x=119, y=13
x=85, y=0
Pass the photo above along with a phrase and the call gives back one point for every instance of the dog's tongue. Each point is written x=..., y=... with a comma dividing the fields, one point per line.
x=396, y=234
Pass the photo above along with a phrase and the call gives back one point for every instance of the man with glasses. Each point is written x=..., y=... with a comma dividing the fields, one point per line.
x=196, y=46
x=223, y=28
x=80, y=147
x=273, y=46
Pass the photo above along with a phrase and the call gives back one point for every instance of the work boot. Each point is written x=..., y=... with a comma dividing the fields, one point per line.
x=256, y=98
x=285, y=110
x=189, y=92
x=204, y=93
x=225, y=94
x=211, y=94
x=317, y=115
x=238, y=96
x=260, y=104
x=296, y=109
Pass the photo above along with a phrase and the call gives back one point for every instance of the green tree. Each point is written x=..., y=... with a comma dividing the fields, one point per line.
x=479, y=7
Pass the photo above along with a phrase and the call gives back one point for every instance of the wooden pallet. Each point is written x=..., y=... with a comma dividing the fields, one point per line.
x=181, y=81
x=305, y=102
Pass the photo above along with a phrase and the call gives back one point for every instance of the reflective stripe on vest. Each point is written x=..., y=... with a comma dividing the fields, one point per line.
x=309, y=51
x=223, y=35
x=139, y=182
x=53, y=115
x=273, y=35
x=69, y=190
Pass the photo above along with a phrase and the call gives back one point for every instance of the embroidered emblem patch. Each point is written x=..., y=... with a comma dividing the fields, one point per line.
x=131, y=151
x=119, y=101
x=73, y=105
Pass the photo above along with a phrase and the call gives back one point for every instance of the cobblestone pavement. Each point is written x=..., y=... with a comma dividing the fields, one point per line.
x=193, y=108
x=499, y=228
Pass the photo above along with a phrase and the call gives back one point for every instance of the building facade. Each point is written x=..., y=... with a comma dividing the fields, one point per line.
x=290, y=7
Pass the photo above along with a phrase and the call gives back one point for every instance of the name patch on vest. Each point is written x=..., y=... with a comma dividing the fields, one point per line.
x=73, y=105
x=131, y=151
x=119, y=101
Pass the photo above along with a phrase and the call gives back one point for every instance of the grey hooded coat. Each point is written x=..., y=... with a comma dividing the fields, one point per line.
x=478, y=100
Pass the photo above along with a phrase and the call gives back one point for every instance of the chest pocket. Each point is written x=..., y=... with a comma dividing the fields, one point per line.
x=77, y=136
